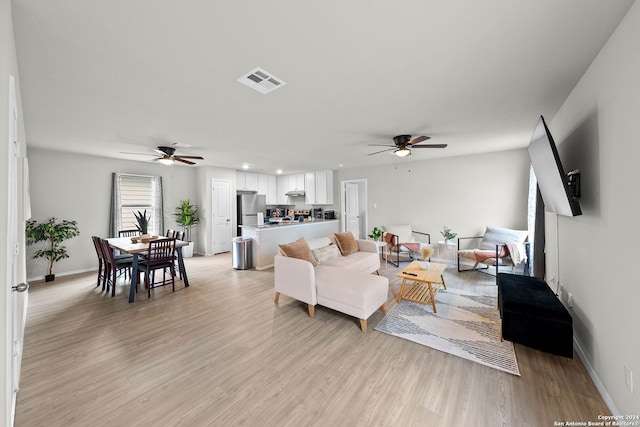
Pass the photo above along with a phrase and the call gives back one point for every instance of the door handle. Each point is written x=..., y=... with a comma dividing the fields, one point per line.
x=20, y=288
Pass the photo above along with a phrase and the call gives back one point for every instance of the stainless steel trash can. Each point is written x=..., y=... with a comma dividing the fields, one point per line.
x=241, y=253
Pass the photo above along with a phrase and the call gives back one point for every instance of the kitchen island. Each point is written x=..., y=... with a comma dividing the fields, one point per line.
x=266, y=238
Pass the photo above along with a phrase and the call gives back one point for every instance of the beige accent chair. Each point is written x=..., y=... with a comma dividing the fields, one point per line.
x=498, y=247
x=403, y=243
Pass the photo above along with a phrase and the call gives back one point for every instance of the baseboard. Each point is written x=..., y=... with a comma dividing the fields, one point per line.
x=594, y=377
x=66, y=273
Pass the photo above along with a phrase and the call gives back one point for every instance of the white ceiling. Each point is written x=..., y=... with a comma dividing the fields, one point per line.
x=102, y=78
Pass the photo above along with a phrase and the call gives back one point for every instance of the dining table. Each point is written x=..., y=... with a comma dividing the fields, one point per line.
x=128, y=246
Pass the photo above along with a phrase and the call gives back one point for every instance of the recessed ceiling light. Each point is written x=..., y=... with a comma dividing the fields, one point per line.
x=279, y=171
x=261, y=81
x=245, y=166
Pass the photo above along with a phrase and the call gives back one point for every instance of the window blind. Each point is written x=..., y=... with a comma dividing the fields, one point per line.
x=137, y=194
x=133, y=193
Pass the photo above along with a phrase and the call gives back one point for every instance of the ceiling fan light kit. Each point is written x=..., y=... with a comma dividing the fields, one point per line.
x=166, y=160
x=402, y=152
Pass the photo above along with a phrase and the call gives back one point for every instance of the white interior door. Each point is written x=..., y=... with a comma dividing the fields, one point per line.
x=16, y=314
x=221, y=215
x=352, y=211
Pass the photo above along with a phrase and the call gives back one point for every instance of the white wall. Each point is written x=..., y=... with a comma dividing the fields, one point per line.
x=77, y=187
x=597, y=131
x=465, y=193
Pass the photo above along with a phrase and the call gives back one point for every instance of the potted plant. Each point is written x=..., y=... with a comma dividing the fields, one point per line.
x=55, y=233
x=448, y=234
x=142, y=222
x=187, y=217
x=376, y=233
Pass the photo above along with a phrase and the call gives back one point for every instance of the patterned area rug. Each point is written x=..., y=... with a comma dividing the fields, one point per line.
x=466, y=325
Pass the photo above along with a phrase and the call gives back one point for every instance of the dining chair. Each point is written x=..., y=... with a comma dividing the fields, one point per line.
x=160, y=256
x=115, y=265
x=129, y=233
x=170, y=234
x=102, y=263
x=179, y=235
x=126, y=233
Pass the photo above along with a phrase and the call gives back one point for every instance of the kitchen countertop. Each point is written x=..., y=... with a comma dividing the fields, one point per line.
x=266, y=239
x=288, y=224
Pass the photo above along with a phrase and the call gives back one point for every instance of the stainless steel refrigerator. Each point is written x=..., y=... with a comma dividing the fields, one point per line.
x=248, y=207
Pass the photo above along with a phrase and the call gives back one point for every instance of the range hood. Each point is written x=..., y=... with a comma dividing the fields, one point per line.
x=294, y=193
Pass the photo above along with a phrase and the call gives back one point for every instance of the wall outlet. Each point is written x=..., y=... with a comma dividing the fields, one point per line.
x=628, y=378
x=570, y=300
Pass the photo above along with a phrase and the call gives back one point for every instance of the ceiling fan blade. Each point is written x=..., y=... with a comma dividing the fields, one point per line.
x=388, y=149
x=418, y=139
x=178, y=159
x=189, y=157
x=430, y=146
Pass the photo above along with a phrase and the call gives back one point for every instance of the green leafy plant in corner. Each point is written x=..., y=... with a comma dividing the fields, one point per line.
x=54, y=233
x=143, y=221
x=376, y=233
x=187, y=217
x=448, y=234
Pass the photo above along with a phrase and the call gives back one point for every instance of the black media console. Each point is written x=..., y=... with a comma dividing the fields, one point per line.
x=532, y=315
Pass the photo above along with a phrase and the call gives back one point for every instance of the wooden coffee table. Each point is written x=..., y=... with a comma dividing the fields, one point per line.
x=423, y=284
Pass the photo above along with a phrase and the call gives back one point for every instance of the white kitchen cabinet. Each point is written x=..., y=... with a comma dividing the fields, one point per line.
x=282, y=183
x=246, y=181
x=263, y=184
x=286, y=183
x=267, y=185
x=324, y=187
x=319, y=187
x=310, y=188
x=296, y=182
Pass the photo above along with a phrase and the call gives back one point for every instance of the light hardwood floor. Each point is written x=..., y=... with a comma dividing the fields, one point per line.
x=221, y=353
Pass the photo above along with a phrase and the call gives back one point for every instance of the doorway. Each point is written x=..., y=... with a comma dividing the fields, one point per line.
x=354, y=209
x=221, y=211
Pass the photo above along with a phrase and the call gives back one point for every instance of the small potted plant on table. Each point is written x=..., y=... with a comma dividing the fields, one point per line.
x=142, y=223
x=55, y=233
x=448, y=235
x=187, y=217
x=376, y=234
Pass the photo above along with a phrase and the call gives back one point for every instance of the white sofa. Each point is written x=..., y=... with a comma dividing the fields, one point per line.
x=342, y=283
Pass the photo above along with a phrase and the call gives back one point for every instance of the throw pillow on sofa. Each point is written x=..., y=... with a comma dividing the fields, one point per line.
x=346, y=242
x=299, y=249
x=325, y=253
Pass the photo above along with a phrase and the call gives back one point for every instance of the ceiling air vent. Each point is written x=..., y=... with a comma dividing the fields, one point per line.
x=261, y=81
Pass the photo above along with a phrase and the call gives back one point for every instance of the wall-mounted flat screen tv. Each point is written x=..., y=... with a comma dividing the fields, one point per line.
x=552, y=180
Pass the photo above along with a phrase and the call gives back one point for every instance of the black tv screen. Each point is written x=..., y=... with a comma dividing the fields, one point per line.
x=552, y=180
